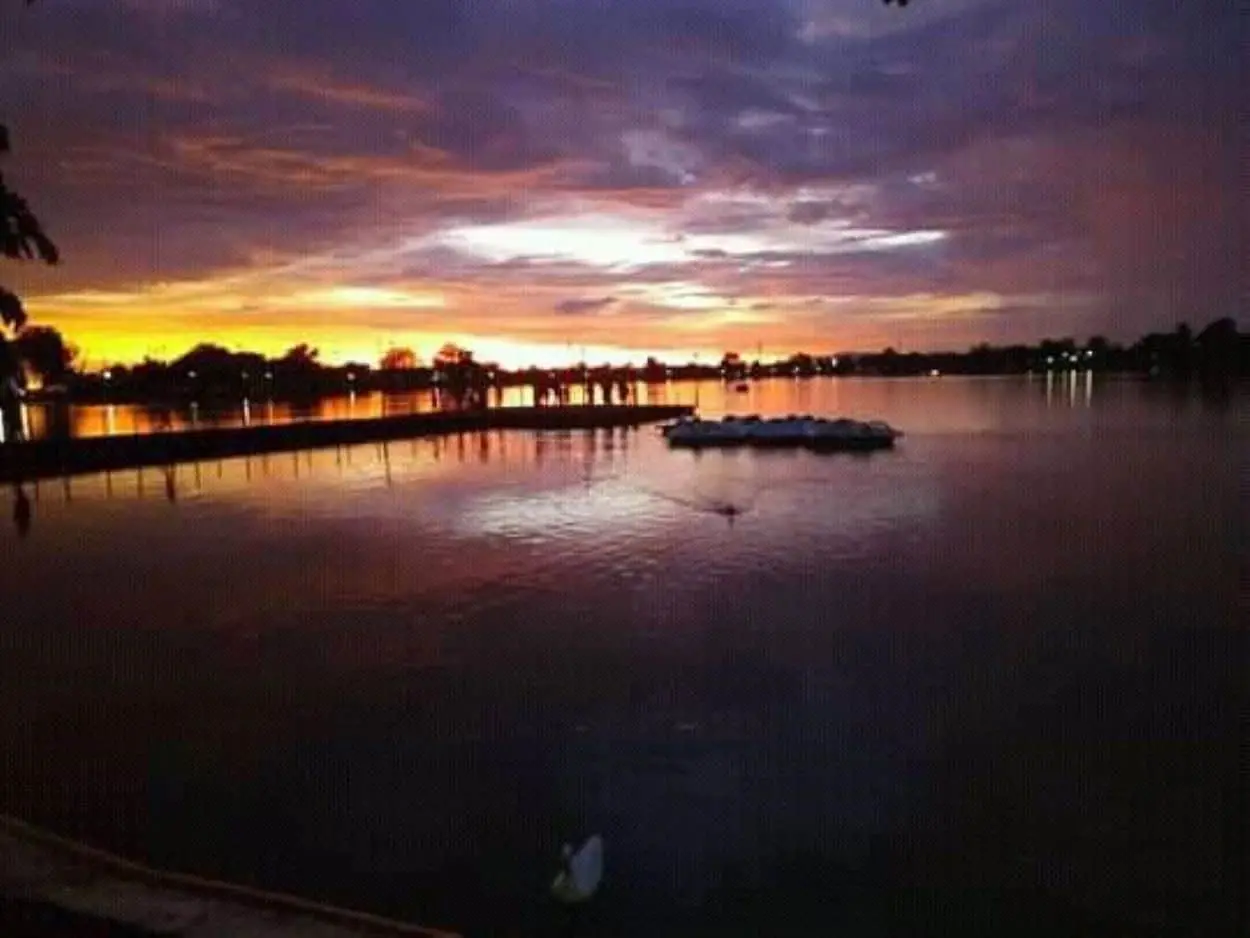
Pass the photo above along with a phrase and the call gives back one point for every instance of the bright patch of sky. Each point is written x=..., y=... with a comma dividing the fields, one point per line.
x=623, y=243
x=675, y=294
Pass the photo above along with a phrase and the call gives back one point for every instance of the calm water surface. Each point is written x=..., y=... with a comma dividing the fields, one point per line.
x=984, y=684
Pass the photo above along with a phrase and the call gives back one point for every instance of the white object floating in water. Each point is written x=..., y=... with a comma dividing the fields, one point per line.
x=582, y=871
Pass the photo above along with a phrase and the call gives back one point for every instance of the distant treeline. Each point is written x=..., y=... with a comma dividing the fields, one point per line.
x=1218, y=351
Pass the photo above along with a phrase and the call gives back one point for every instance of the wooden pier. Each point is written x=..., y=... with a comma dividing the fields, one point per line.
x=39, y=459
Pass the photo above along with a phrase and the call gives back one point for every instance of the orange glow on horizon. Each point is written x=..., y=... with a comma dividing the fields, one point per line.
x=123, y=329
x=102, y=347
x=103, y=343
x=270, y=310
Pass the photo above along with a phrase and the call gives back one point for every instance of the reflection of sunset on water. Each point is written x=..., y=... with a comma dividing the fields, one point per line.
x=969, y=404
x=454, y=614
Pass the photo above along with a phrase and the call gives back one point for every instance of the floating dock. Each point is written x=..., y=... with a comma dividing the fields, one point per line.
x=50, y=886
x=814, y=433
x=38, y=459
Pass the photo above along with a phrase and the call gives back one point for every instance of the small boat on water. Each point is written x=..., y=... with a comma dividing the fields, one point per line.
x=815, y=433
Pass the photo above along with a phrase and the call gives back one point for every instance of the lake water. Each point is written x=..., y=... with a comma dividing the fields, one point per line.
x=987, y=683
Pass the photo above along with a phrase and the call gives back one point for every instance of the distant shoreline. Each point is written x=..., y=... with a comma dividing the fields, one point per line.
x=96, y=395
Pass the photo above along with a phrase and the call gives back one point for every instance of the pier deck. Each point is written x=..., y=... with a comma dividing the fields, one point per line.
x=61, y=457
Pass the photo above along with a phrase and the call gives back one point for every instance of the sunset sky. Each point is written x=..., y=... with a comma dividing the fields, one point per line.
x=631, y=177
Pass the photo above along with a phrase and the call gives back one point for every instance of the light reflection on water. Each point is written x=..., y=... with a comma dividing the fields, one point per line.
x=964, y=404
x=57, y=419
x=398, y=676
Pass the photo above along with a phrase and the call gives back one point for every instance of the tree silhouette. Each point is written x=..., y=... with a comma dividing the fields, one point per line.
x=21, y=238
x=302, y=357
x=1220, y=345
x=462, y=377
x=45, y=352
x=398, y=359
x=450, y=354
x=732, y=365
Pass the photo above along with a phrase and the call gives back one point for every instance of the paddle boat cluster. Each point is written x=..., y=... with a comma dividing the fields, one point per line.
x=811, y=432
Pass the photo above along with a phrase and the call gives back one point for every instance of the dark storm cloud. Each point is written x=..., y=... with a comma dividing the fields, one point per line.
x=998, y=70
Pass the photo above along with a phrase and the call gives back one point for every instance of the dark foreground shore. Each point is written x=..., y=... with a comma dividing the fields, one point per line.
x=50, y=887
